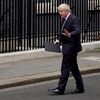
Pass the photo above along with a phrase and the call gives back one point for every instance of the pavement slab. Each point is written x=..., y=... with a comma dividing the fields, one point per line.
x=48, y=68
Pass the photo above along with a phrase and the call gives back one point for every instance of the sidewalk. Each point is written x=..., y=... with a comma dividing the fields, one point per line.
x=47, y=68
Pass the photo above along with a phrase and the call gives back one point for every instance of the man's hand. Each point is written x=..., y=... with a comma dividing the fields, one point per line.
x=66, y=33
x=56, y=42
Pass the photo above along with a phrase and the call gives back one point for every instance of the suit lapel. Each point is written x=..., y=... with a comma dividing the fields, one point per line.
x=66, y=22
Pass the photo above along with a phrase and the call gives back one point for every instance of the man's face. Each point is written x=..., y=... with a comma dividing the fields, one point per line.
x=63, y=13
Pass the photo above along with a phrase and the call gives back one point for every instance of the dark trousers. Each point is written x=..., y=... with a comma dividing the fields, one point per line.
x=69, y=64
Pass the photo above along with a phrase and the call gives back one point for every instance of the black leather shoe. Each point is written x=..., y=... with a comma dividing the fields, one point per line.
x=56, y=91
x=78, y=91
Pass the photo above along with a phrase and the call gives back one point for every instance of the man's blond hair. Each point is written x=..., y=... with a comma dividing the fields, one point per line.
x=64, y=7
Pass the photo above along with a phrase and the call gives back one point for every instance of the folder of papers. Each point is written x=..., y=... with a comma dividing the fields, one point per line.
x=52, y=47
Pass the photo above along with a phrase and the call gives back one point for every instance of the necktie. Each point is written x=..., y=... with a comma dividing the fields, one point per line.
x=62, y=28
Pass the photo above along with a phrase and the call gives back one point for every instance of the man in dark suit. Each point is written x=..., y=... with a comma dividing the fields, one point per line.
x=70, y=40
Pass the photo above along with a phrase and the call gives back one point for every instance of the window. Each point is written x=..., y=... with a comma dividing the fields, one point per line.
x=93, y=4
x=46, y=6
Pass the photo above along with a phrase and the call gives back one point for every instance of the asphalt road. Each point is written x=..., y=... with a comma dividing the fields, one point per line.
x=39, y=91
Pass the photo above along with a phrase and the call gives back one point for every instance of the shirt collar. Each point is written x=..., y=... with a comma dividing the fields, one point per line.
x=67, y=16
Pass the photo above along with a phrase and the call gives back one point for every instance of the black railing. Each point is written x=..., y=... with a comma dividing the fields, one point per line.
x=26, y=24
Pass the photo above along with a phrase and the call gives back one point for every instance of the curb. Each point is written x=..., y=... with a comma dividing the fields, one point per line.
x=24, y=80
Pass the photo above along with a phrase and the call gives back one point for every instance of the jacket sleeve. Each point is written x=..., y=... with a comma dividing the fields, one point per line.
x=75, y=30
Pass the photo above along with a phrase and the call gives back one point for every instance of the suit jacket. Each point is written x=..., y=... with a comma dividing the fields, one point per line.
x=71, y=45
